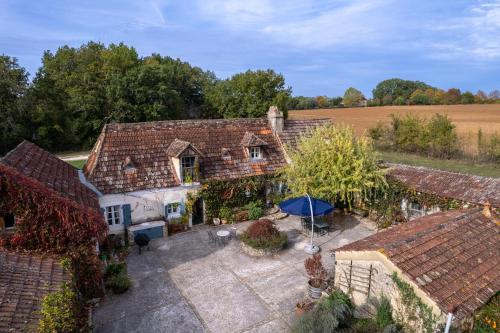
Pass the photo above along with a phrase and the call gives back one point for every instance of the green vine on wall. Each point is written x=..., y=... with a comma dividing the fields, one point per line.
x=385, y=206
x=233, y=193
x=417, y=312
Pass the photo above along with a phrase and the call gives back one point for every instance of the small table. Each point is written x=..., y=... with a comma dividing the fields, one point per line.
x=223, y=233
x=322, y=227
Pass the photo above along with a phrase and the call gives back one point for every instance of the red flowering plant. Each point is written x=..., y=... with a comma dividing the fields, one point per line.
x=48, y=222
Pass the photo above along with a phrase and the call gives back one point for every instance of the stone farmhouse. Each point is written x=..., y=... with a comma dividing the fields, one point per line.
x=143, y=172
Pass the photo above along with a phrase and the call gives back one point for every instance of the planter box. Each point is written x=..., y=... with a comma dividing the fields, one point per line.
x=152, y=229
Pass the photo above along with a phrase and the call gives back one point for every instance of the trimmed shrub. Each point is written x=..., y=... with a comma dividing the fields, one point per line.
x=263, y=234
x=120, y=283
x=115, y=269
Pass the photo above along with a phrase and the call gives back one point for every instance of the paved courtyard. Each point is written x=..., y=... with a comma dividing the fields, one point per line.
x=186, y=284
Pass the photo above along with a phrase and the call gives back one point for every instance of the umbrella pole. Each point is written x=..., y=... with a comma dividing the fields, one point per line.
x=311, y=248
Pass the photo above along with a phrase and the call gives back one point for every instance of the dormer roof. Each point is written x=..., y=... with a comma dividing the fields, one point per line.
x=177, y=147
x=252, y=140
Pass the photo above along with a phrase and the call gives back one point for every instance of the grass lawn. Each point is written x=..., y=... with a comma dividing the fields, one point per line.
x=77, y=163
x=462, y=166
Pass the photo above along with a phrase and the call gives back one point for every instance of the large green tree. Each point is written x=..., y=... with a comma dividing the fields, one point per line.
x=334, y=165
x=13, y=86
x=249, y=94
x=389, y=90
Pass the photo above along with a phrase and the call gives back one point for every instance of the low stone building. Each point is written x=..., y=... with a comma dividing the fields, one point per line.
x=464, y=190
x=450, y=259
x=144, y=172
x=24, y=280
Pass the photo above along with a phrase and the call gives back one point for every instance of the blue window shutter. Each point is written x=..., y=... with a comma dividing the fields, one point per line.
x=182, y=207
x=127, y=216
x=165, y=211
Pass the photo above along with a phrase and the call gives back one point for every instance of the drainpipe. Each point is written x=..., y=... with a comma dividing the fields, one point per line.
x=449, y=319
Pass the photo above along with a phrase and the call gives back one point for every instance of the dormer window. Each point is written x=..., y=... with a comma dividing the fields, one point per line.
x=226, y=155
x=188, y=169
x=255, y=153
x=128, y=166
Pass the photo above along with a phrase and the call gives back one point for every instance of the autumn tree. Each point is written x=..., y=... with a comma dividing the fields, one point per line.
x=353, y=97
x=453, y=96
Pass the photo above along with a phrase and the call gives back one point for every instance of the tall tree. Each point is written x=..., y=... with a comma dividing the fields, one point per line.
x=13, y=86
x=334, y=165
x=249, y=94
x=353, y=97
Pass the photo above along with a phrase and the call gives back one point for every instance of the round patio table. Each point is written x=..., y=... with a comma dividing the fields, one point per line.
x=224, y=236
x=223, y=233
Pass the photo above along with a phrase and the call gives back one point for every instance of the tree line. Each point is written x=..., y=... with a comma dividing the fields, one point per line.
x=77, y=90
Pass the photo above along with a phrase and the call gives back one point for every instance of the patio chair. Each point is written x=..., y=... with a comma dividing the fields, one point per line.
x=212, y=238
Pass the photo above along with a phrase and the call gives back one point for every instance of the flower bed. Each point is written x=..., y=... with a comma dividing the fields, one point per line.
x=263, y=238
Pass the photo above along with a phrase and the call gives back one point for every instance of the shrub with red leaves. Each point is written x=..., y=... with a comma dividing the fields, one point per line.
x=262, y=229
x=316, y=271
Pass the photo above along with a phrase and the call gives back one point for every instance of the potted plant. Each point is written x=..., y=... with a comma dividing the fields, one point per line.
x=317, y=275
x=225, y=214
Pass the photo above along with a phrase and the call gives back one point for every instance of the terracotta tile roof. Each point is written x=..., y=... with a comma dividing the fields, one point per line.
x=150, y=146
x=453, y=256
x=295, y=128
x=24, y=280
x=468, y=188
x=31, y=161
x=252, y=140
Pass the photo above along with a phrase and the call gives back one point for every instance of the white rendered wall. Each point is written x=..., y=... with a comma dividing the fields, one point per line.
x=148, y=205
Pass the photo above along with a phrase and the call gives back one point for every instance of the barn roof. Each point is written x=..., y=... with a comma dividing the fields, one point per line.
x=29, y=161
x=219, y=142
x=474, y=189
x=24, y=280
x=452, y=256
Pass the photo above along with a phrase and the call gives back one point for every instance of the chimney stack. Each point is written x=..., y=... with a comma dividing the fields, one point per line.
x=275, y=118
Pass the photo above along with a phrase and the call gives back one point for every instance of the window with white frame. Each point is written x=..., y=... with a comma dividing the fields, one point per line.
x=416, y=210
x=255, y=153
x=173, y=209
x=113, y=215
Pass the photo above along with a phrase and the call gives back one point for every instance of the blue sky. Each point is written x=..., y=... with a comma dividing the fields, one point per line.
x=322, y=47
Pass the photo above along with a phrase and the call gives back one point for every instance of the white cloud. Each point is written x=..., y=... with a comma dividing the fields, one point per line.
x=474, y=35
x=307, y=23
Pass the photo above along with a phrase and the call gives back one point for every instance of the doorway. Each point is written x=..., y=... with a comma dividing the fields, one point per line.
x=197, y=217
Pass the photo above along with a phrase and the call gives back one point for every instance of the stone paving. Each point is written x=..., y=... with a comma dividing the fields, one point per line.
x=186, y=284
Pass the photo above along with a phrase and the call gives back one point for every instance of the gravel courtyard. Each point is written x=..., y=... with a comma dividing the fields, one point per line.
x=186, y=284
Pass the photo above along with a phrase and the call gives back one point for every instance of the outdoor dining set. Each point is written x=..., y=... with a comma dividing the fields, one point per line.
x=320, y=227
x=221, y=237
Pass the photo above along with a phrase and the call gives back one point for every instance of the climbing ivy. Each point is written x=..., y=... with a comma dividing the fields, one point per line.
x=232, y=193
x=416, y=312
x=385, y=205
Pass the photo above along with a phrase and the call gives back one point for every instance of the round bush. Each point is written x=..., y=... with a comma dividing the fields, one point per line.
x=263, y=234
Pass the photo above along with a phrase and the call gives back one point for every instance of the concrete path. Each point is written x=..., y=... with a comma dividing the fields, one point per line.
x=185, y=284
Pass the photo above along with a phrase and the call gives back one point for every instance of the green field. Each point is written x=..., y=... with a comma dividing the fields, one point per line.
x=77, y=163
x=462, y=166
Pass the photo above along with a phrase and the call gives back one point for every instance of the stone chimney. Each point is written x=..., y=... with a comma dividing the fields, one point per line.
x=275, y=118
x=487, y=209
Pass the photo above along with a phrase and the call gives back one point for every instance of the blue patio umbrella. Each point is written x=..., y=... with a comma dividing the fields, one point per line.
x=304, y=207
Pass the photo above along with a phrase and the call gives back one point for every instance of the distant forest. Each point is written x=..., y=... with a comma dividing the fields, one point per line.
x=77, y=90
